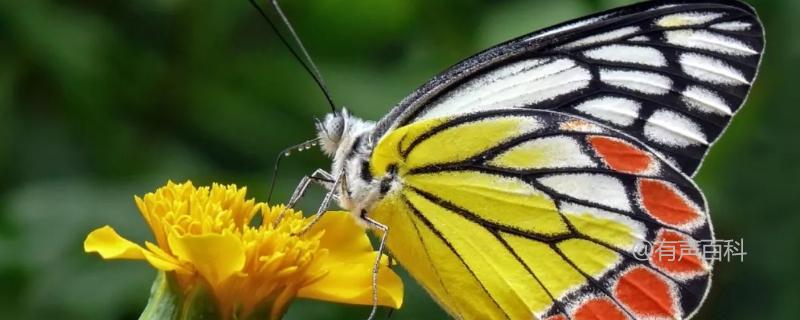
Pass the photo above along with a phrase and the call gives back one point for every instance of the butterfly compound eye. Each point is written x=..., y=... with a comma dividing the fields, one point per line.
x=330, y=131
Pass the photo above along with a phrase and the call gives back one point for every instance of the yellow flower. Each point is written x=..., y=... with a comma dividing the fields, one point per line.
x=205, y=237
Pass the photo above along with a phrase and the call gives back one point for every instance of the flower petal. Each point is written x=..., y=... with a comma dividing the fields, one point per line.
x=216, y=256
x=161, y=260
x=110, y=245
x=349, y=265
x=343, y=236
x=351, y=282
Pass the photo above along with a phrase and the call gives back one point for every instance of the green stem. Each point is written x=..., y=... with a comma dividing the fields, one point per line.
x=169, y=302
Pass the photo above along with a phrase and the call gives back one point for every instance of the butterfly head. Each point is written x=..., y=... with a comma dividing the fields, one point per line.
x=338, y=130
x=330, y=130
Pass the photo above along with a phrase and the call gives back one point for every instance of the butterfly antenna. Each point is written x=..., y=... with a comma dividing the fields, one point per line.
x=302, y=57
x=285, y=153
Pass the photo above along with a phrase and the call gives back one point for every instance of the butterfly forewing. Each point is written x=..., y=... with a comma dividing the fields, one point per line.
x=512, y=213
x=670, y=73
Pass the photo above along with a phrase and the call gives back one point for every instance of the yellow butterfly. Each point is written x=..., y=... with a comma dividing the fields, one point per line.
x=524, y=182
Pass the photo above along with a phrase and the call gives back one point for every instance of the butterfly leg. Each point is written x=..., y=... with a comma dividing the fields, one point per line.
x=325, y=203
x=385, y=230
x=319, y=176
x=390, y=262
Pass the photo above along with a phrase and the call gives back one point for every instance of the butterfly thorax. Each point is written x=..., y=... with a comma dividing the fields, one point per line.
x=347, y=140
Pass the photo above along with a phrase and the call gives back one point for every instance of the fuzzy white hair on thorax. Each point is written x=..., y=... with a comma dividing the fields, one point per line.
x=345, y=139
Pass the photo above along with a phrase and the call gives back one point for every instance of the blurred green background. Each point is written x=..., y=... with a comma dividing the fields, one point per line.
x=101, y=100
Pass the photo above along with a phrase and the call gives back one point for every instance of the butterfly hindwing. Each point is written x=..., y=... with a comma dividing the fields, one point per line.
x=670, y=73
x=512, y=213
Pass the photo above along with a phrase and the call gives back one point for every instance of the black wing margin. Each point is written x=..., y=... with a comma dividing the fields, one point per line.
x=669, y=73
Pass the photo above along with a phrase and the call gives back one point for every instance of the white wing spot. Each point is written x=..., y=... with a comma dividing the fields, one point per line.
x=516, y=85
x=597, y=188
x=732, y=26
x=706, y=101
x=628, y=54
x=619, y=111
x=711, y=70
x=703, y=39
x=687, y=19
x=611, y=35
x=580, y=125
x=673, y=129
x=645, y=82
x=639, y=39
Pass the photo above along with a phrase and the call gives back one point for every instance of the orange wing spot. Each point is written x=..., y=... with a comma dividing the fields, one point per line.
x=674, y=254
x=645, y=294
x=556, y=317
x=664, y=203
x=599, y=309
x=620, y=155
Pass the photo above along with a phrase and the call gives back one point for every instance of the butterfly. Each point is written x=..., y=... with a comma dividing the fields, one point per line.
x=524, y=181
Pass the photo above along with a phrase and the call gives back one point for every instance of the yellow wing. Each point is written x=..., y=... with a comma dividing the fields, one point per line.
x=521, y=214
